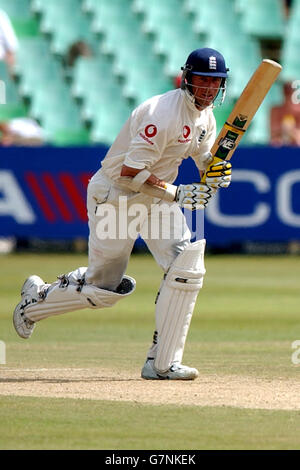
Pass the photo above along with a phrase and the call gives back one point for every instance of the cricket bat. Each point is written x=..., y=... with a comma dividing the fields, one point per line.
x=244, y=111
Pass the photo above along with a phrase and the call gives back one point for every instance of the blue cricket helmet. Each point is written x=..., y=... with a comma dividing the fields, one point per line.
x=207, y=62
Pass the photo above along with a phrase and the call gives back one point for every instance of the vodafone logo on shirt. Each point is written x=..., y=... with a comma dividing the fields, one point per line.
x=149, y=132
x=185, y=133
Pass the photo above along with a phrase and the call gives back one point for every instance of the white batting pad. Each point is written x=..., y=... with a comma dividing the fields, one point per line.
x=175, y=304
x=71, y=293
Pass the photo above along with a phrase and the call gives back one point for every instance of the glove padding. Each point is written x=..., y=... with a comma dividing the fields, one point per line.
x=218, y=175
x=194, y=196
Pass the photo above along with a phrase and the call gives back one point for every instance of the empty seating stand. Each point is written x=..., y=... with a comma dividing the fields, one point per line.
x=138, y=47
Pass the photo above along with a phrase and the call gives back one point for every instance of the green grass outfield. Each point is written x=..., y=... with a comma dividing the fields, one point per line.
x=245, y=321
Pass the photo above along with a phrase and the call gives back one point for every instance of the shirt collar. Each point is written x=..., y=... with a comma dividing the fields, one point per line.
x=188, y=99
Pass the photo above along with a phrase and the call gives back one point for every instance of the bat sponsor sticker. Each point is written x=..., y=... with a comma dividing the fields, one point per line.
x=240, y=120
x=226, y=144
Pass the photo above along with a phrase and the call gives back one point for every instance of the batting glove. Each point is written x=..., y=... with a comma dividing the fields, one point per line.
x=218, y=175
x=194, y=196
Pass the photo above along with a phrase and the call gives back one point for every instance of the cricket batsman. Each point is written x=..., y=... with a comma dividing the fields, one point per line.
x=141, y=166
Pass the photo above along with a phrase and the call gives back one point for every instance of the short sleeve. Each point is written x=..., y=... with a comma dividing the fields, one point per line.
x=148, y=138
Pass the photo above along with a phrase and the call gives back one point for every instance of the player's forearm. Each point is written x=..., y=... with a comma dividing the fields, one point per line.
x=152, y=180
x=190, y=196
x=145, y=182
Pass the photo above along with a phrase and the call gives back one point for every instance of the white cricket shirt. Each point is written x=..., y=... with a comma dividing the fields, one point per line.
x=159, y=134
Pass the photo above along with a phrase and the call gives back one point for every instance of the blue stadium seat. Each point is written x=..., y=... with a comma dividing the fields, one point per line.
x=97, y=99
x=54, y=96
x=291, y=45
x=213, y=13
x=240, y=6
x=35, y=65
x=142, y=86
x=190, y=6
x=139, y=48
x=48, y=71
x=16, y=9
x=127, y=33
x=264, y=19
x=158, y=14
x=56, y=12
x=19, y=12
x=8, y=88
x=295, y=11
x=109, y=122
x=181, y=48
x=107, y=15
x=67, y=33
x=259, y=130
x=290, y=62
x=222, y=112
x=132, y=56
x=89, y=6
x=90, y=73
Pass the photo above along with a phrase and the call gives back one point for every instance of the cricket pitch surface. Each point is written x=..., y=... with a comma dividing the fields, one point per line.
x=114, y=385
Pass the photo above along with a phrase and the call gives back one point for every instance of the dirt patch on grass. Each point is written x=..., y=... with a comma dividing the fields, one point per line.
x=104, y=384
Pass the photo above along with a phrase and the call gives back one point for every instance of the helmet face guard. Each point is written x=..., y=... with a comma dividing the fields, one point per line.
x=188, y=86
x=205, y=62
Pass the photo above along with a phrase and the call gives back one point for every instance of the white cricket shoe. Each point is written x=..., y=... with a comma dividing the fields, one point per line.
x=29, y=295
x=176, y=372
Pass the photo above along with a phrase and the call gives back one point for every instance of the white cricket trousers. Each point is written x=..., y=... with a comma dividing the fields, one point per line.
x=161, y=224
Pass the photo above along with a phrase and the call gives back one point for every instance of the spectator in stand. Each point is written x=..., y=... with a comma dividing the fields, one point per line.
x=21, y=132
x=78, y=49
x=285, y=119
x=8, y=41
x=287, y=5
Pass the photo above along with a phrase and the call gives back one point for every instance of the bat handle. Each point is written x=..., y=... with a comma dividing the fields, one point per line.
x=213, y=162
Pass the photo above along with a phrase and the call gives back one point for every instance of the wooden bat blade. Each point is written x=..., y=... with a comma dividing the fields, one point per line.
x=244, y=110
x=254, y=93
